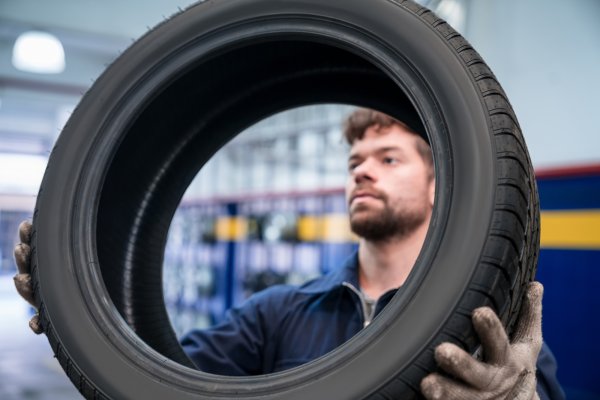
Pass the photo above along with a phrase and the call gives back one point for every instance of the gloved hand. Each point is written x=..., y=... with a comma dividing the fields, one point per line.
x=23, y=277
x=508, y=369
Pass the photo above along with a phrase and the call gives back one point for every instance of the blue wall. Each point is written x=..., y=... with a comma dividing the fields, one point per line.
x=571, y=323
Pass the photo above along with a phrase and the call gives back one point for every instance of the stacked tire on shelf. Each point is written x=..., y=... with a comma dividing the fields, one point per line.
x=167, y=104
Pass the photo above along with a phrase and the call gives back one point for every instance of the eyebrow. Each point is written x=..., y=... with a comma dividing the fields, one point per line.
x=378, y=151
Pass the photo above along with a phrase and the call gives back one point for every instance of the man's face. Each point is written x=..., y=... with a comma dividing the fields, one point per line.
x=390, y=188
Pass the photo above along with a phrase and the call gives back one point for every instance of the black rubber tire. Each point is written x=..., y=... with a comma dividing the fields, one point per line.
x=158, y=113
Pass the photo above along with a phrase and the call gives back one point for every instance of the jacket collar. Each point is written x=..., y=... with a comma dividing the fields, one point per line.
x=348, y=272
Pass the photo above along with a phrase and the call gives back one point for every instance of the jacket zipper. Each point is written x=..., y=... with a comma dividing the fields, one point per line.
x=367, y=316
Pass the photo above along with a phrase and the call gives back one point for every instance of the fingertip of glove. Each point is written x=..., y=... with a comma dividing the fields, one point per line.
x=22, y=253
x=24, y=287
x=483, y=315
x=431, y=387
x=535, y=290
x=22, y=279
x=444, y=350
x=25, y=229
x=22, y=249
x=34, y=324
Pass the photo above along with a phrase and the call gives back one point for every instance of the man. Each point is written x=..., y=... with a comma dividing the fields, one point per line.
x=390, y=194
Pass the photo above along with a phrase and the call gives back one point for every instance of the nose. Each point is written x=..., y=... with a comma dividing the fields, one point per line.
x=365, y=171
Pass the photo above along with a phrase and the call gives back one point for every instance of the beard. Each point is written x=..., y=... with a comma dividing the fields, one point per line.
x=385, y=224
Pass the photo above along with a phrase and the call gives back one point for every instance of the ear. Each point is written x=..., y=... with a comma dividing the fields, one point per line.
x=431, y=194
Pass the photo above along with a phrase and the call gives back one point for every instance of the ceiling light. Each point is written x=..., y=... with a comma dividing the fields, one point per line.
x=453, y=12
x=38, y=52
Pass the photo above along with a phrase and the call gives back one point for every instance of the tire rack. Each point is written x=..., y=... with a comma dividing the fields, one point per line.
x=217, y=248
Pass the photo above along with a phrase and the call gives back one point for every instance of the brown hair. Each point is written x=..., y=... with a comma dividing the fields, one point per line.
x=363, y=118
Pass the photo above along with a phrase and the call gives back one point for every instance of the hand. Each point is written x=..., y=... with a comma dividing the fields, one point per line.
x=23, y=277
x=508, y=371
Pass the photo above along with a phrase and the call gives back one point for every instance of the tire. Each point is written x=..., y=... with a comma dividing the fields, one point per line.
x=162, y=109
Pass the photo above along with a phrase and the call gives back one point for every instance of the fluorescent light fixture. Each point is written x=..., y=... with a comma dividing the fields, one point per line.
x=38, y=52
x=21, y=173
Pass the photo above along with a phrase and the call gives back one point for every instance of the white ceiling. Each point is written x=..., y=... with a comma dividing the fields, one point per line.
x=34, y=107
x=110, y=18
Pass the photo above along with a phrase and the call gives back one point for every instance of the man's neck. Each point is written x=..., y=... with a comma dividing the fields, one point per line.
x=385, y=265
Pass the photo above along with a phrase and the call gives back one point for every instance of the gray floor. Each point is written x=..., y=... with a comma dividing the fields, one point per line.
x=28, y=369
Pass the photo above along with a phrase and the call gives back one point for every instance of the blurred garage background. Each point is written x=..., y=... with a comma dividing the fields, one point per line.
x=269, y=207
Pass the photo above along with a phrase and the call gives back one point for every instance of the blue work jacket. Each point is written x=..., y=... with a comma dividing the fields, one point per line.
x=287, y=326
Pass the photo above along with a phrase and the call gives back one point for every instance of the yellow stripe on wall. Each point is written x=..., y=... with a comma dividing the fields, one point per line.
x=576, y=229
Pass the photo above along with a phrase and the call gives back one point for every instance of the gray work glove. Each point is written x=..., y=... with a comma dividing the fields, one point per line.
x=23, y=277
x=508, y=370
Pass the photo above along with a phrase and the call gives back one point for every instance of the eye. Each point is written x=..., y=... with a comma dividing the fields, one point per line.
x=390, y=160
x=352, y=164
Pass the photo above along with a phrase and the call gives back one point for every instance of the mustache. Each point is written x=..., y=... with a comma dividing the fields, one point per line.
x=366, y=190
